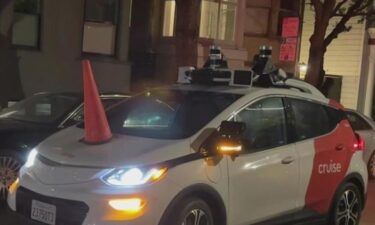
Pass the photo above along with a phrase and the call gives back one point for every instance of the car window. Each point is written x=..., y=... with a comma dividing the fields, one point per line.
x=42, y=108
x=167, y=113
x=335, y=116
x=310, y=119
x=79, y=117
x=265, y=124
x=108, y=102
x=357, y=122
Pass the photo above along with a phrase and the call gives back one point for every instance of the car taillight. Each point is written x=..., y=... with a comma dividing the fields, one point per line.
x=359, y=143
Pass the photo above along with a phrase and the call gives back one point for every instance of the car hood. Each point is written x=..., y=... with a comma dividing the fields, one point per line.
x=67, y=148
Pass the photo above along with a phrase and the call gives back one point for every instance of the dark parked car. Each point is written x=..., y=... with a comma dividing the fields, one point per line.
x=27, y=123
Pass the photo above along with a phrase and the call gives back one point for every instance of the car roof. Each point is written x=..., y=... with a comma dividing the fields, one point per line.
x=80, y=94
x=217, y=88
x=249, y=90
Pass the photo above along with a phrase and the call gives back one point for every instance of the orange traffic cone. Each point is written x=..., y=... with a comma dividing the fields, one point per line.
x=97, y=130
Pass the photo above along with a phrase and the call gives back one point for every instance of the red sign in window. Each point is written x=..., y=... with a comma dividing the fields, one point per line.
x=290, y=27
x=288, y=50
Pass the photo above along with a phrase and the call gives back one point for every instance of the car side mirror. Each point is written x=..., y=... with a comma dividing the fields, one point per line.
x=229, y=140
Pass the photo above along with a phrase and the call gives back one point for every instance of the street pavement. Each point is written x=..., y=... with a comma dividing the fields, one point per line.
x=368, y=217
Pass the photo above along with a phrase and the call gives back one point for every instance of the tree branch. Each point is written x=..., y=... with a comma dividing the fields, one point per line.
x=338, y=6
x=341, y=26
x=365, y=6
x=328, y=6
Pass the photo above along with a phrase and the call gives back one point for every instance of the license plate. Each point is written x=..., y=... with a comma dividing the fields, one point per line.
x=43, y=212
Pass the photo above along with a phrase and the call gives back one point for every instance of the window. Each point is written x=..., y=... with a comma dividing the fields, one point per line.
x=43, y=108
x=100, y=26
x=357, y=122
x=258, y=18
x=167, y=113
x=265, y=124
x=26, y=24
x=169, y=18
x=78, y=116
x=218, y=19
x=310, y=119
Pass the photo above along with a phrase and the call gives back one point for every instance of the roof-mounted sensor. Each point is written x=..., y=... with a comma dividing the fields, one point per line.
x=263, y=73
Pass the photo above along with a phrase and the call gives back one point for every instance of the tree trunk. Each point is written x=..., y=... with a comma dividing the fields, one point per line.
x=323, y=11
x=187, y=32
x=10, y=81
x=315, y=73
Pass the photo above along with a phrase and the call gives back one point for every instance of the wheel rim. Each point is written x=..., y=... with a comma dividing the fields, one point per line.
x=372, y=166
x=196, y=217
x=9, y=168
x=348, y=209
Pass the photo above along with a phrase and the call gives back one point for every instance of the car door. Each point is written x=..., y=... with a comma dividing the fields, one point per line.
x=324, y=143
x=263, y=180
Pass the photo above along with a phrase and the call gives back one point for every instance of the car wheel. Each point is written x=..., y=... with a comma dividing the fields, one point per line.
x=191, y=211
x=371, y=166
x=347, y=206
x=10, y=165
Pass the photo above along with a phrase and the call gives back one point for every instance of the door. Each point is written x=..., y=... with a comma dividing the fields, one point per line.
x=324, y=143
x=264, y=179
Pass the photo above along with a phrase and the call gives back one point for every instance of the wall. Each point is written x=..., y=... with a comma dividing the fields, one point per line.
x=57, y=66
x=343, y=57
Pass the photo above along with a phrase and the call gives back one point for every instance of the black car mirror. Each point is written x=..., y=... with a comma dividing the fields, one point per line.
x=229, y=140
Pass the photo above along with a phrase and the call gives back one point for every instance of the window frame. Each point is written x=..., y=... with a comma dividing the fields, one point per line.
x=38, y=46
x=116, y=44
x=204, y=40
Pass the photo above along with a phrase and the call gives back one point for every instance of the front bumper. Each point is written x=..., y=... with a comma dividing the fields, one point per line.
x=87, y=204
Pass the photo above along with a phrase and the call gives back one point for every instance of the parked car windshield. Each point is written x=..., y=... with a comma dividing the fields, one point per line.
x=42, y=108
x=168, y=114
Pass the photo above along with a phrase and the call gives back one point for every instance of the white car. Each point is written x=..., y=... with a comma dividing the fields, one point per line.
x=365, y=126
x=217, y=152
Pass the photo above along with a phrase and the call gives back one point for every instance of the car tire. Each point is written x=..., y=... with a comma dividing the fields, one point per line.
x=190, y=211
x=371, y=166
x=347, y=206
x=10, y=164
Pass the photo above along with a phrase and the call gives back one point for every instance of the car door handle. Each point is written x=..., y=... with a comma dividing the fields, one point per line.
x=339, y=147
x=287, y=160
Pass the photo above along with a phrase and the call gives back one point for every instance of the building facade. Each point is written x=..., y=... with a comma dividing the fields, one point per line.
x=239, y=27
x=131, y=44
x=51, y=38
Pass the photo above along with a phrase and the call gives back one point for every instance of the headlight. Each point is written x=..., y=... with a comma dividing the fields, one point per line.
x=31, y=158
x=134, y=176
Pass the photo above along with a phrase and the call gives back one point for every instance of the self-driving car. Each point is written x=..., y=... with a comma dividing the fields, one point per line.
x=224, y=147
x=25, y=124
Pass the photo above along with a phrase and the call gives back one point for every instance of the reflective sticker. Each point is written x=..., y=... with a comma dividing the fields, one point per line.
x=333, y=154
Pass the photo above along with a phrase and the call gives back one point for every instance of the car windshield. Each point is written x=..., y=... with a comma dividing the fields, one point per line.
x=168, y=114
x=42, y=108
